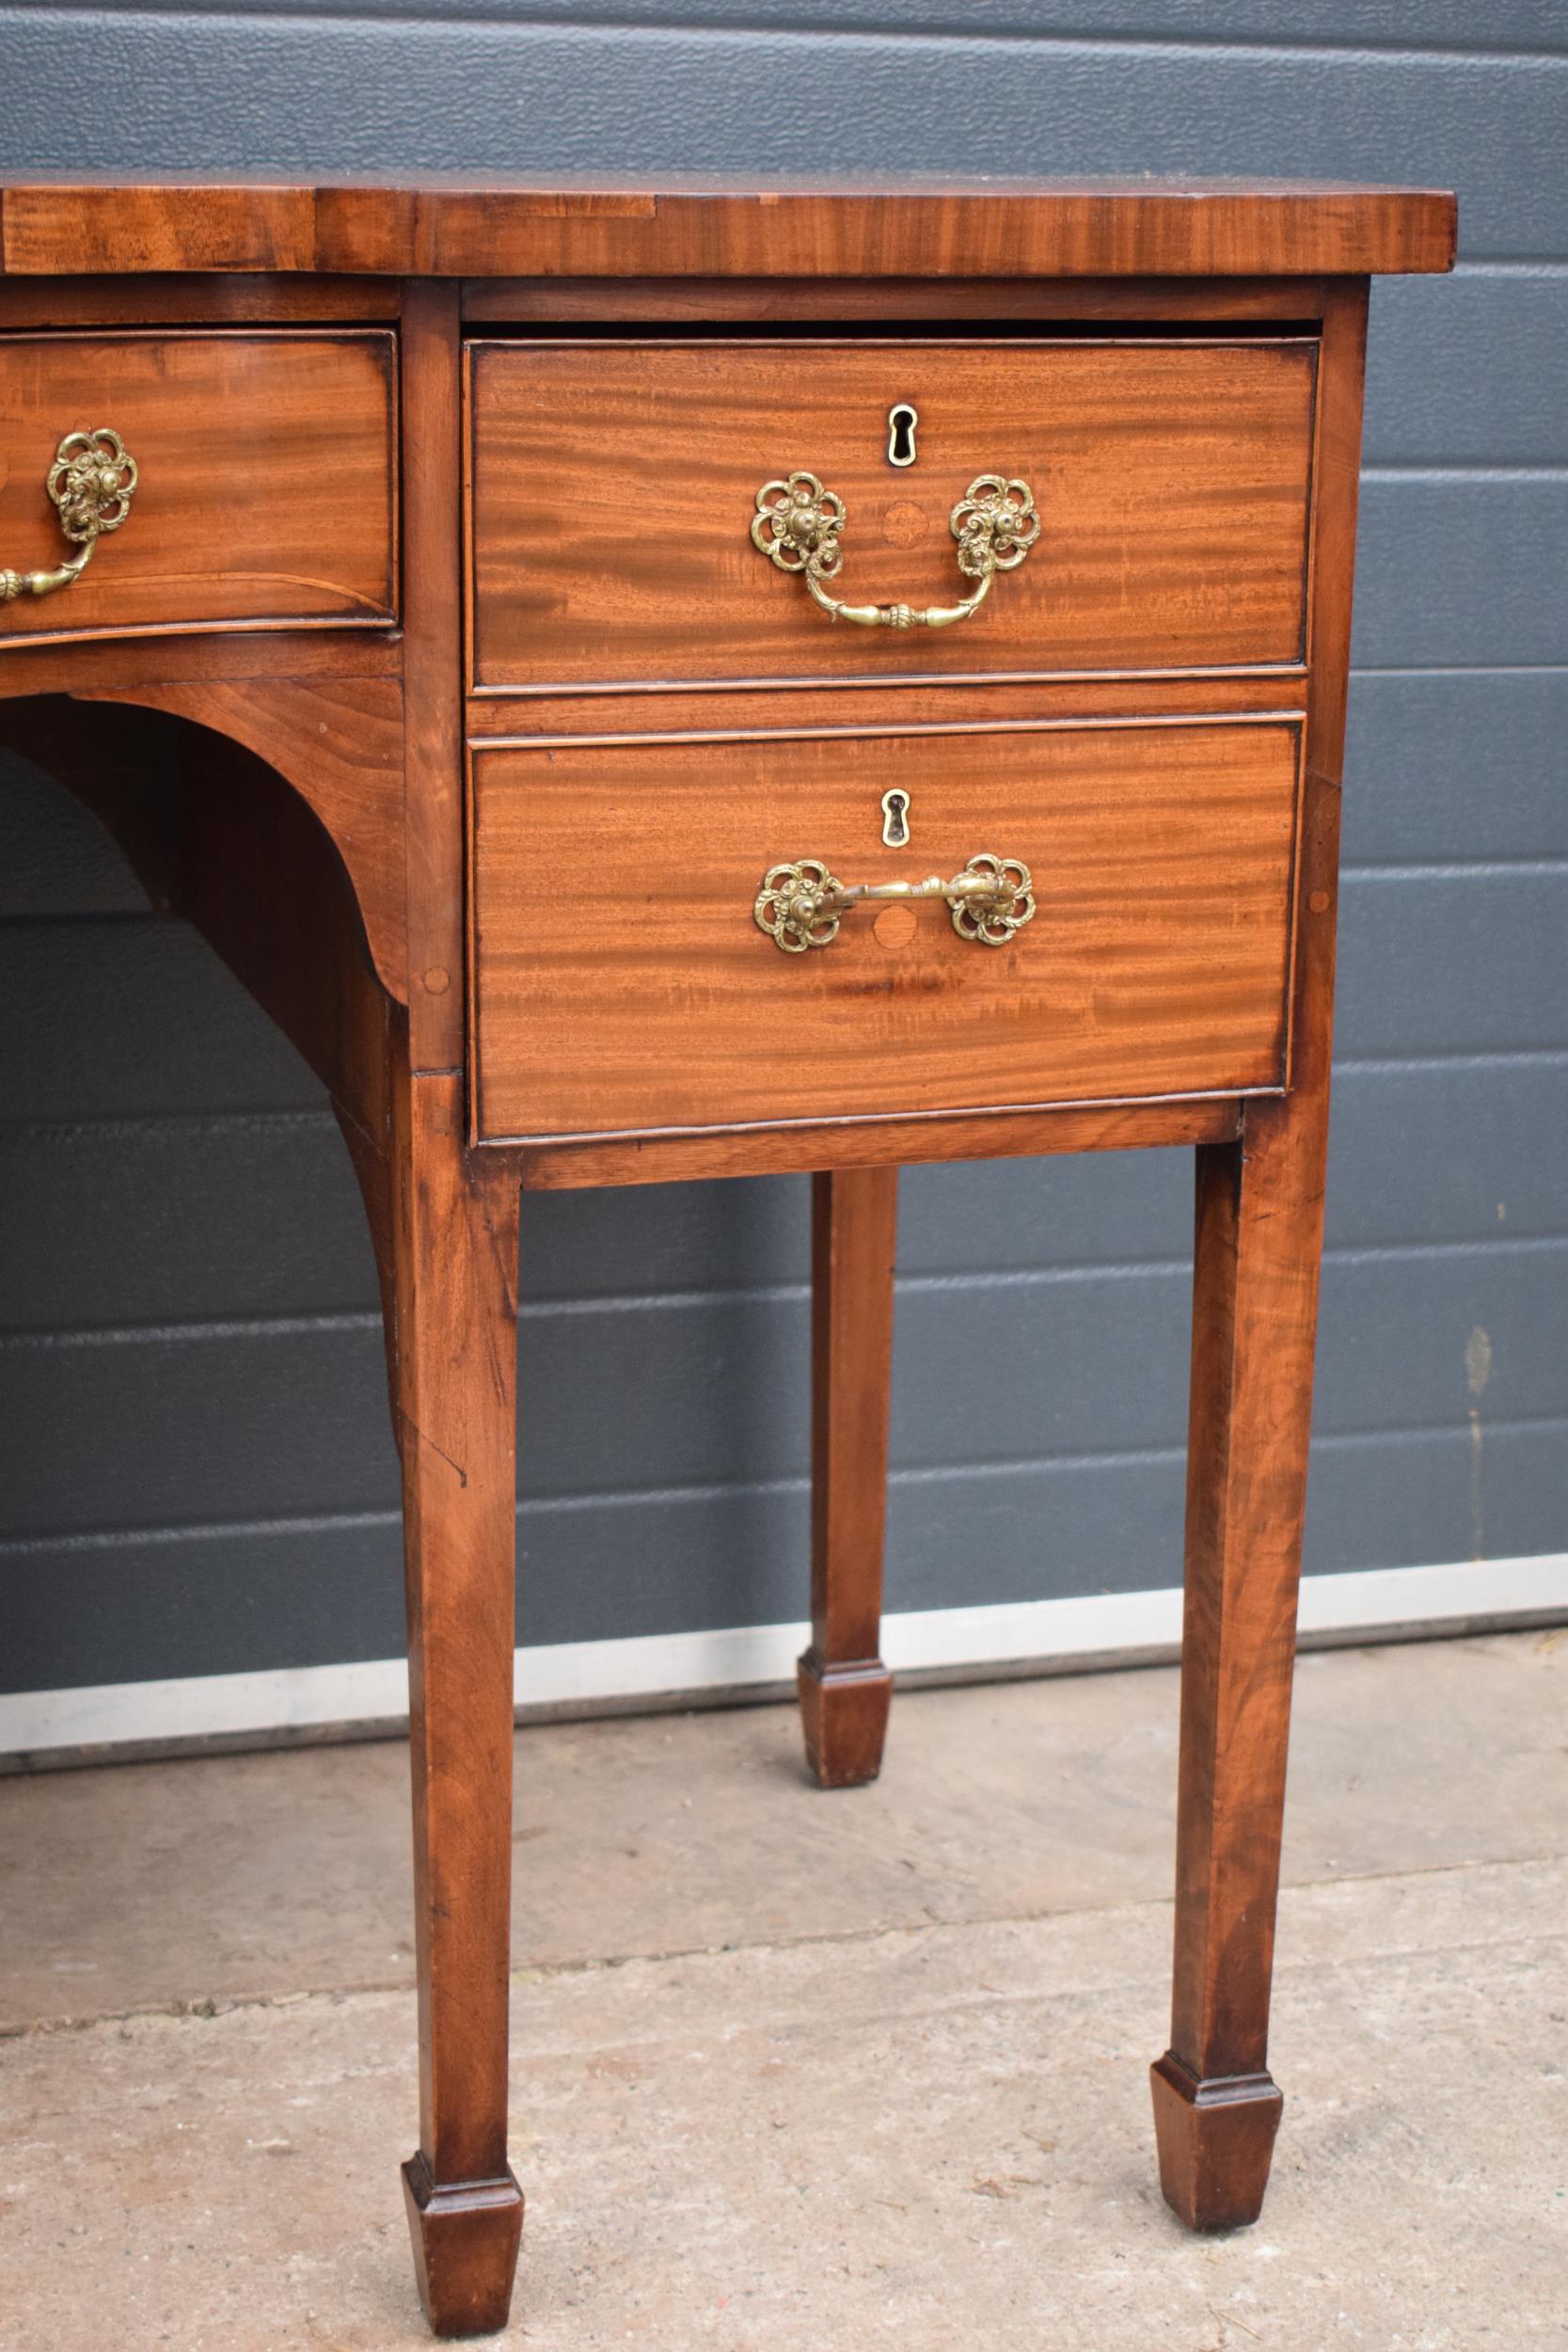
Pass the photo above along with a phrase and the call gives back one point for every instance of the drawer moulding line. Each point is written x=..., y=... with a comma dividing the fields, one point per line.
x=740, y=1662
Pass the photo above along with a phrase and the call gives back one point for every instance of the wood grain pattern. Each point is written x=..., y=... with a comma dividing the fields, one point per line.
x=844, y=1689
x=622, y=985
x=433, y=831
x=445, y=1227
x=939, y=302
x=873, y=1143
x=259, y=875
x=1258, y=1252
x=129, y=227
x=267, y=493
x=165, y=657
x=454, y=1280
x=923, y=229
x=220, y=833
x=614, y=487
x=216, y=298
x=717, y=712
x=339, y=742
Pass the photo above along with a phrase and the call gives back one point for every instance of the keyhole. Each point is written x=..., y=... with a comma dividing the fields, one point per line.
x=895, y=829
x=901, y=422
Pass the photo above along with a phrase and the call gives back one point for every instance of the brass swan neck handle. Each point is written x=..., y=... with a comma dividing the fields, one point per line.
x=798, y=526
x=799, y=906
x=91, y=482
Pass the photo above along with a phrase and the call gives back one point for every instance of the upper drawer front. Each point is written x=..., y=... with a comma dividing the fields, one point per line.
x=624, y=983
x=613, y=491
x=266, y=491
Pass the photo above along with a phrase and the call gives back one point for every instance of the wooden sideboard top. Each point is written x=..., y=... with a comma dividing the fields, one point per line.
x=971, y=228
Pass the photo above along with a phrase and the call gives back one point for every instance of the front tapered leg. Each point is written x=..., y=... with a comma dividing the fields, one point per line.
x=454, y=1255
x=1259, y=1221
x=845, y=1688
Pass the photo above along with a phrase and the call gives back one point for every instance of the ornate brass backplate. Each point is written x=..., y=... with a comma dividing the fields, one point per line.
x=91, y=482
x=798, y=526
x=799, y=905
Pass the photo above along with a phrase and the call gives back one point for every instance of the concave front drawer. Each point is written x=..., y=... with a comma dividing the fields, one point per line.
x=264, y=490
x=613, y=490
x=624, y=984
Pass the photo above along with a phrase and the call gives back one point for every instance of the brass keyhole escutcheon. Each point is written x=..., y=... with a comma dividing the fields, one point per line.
x=895, y=819
x=901, y=422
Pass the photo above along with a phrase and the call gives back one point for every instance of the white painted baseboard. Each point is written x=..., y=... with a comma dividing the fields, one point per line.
x=565, y=1676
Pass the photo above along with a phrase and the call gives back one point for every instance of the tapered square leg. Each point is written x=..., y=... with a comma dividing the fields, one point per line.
x=456, y=1317
x=1258, y=1243
x=1216, y=2109
x=845, y=1688
x=1255, y=1307
x=446, y=1227
x=1258, y=1222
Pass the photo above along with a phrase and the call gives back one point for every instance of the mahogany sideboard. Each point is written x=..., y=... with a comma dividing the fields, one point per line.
x=654, y=685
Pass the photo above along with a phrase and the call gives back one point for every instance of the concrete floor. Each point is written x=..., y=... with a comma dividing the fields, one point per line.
x=792, y=2070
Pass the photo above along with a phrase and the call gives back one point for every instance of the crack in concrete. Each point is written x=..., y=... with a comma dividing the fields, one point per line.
x=202, y=2008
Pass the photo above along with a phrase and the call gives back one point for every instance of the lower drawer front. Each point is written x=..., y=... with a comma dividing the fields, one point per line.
x=623, y=983
x=264, y=485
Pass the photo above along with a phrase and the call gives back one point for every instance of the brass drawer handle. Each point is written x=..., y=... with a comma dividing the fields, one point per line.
x=799, y=906
x=798, y=526
x=91, y=482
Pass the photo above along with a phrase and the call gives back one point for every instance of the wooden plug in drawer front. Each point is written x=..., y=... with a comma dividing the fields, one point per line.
x=622, y=985
x=613, y=490
x=267, y=479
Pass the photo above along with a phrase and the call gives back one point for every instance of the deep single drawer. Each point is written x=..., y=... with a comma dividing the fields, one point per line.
x=263, y=491
x=614, y=489
x=641, y=965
